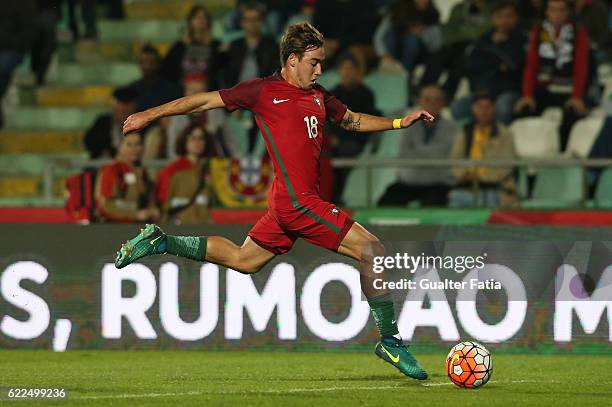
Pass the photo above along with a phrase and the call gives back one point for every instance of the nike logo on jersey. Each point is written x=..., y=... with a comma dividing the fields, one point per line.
x=277, y=101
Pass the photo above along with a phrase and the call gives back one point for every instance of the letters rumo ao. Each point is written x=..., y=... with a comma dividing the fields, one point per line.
x=243, y=301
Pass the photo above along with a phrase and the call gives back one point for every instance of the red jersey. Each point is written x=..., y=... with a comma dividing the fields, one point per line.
x=291, y=121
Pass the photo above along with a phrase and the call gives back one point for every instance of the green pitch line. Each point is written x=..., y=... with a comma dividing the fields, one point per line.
x=195, y=378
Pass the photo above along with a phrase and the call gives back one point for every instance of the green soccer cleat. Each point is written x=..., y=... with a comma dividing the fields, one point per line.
x=150, y=240
x=394, y=351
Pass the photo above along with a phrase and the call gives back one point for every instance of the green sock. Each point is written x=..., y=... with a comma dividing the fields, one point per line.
x=190, y=247
x=384, y=314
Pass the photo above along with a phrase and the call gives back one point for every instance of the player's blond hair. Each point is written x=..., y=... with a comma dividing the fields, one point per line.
x=299, y=38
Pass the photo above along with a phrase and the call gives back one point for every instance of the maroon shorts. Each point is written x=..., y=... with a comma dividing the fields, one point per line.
x=318, y=222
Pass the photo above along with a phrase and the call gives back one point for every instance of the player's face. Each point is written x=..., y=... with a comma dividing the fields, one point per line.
x=309, y=67
x=196, y=142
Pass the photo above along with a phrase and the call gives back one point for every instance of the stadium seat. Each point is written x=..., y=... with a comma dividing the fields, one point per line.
x=554, y=114
x=157, y=10
x=56, y=118
x=101, y=52
x=19, y=186
x=390, y=91
x=583, y=135
x=21, y=164
x=41, y=142
x=389, y=145
x=77, y=96
x=445, y=7
x=112, y=73
x=355, y=190
x=238, y=134
x=557, y=187
x=238, y=131
x=170, y=9
x=140, y=30
x=535, y=137
x=603, y=191
x=354, y=194
x=329, y=79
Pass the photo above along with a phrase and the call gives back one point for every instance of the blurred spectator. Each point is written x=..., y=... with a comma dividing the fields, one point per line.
x=409, y=32
x=88, y=14
x=211, y=120
x=468, y=21
x=122, y=188
x=354, y=93
x=557, y=69
x=104, y=136
x=45, y=38
x=424, y=141
x=593, y=15
x=114, y=9
x=152, y=90
x=495, y=64
x=183, y=190
x=274, y=13
x=197, y=53
x=305, y=13
x=483, y=139
x=347, y=24
x=531, y=12
x=17, y=28
x=601, y=148
x=256, y=54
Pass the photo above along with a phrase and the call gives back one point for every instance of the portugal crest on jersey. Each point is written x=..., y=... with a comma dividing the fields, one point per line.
x=318, y=102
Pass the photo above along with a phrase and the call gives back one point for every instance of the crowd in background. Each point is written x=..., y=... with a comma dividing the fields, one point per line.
x=519, y=57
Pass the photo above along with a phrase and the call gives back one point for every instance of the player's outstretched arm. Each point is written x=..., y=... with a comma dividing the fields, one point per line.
x=199, y=102
x=364, y=122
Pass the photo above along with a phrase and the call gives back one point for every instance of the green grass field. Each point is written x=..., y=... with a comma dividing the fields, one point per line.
x=185, y=378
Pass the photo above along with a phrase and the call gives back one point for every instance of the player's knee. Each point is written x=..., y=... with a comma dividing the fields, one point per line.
x=244, y=265
x=378, y=248
x=248, y=268
x=372, y=247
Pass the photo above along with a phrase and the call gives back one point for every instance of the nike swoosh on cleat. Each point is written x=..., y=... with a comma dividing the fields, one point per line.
x=152, y=242
x=276, y=101
x=394, y=359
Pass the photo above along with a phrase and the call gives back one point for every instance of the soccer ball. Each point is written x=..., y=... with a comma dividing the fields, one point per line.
x=469, y=365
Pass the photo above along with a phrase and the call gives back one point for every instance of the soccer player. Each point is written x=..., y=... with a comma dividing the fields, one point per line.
x=290, y=109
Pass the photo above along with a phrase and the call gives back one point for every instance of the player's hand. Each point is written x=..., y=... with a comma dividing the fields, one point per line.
x=413, y=117
x=524, y=102
x=577, y=104
x=135, y=122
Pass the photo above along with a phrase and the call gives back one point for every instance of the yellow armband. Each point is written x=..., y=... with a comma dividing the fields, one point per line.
x=397, y=123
